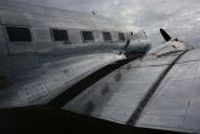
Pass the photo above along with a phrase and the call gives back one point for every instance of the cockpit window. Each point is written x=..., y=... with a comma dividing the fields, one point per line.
x=121, y=36
x=18, y=33
x=107, y=36
x=87, y=36
x=59, y=35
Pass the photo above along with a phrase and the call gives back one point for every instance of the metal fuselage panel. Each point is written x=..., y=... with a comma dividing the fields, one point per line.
x=18, y=58
x=175, y=105
x=43, y=84
x=117, y=96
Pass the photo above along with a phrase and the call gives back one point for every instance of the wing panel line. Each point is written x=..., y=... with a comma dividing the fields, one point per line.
x=136, y=114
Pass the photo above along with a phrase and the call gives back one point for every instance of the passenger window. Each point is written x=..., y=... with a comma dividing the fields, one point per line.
x=59, y=35
x=107, y=36
x=18, y=34
x=87, y=36
x=121, y=36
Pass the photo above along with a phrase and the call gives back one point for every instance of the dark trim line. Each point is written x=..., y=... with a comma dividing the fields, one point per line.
x=136, y=114
x=82, y=85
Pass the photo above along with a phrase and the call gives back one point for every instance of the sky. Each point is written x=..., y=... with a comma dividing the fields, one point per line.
x=179, y=17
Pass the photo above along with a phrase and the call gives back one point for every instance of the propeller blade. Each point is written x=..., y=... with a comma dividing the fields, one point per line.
x=165, y=35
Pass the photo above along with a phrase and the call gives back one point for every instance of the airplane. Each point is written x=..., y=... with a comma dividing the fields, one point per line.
x=65, y=71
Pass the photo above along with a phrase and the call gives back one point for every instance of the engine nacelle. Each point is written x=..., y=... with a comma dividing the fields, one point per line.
x=134, y=48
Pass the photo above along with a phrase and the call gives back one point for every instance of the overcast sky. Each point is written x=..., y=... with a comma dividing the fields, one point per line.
x=180, y=17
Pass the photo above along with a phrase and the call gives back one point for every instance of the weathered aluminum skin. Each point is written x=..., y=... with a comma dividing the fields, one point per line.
x=117, y=96
x=43, y=69
x=176, y=104
x=19, y=58
x=47, y=82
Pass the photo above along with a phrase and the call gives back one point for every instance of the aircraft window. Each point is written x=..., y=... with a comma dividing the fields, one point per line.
x=87, y=36
x=107, y=36
x=59, y=35
x=121, y=36
x=18, y=33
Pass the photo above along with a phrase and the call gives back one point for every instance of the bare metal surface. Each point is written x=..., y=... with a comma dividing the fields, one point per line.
x=51, y=79
x=43, y=69
x=175, y=105
x=117, y=96
x=18, y=58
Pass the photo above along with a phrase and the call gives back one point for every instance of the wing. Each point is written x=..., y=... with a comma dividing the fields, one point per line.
x=157, y=91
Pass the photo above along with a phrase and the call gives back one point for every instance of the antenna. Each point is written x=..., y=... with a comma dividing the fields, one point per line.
x=94, y=13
